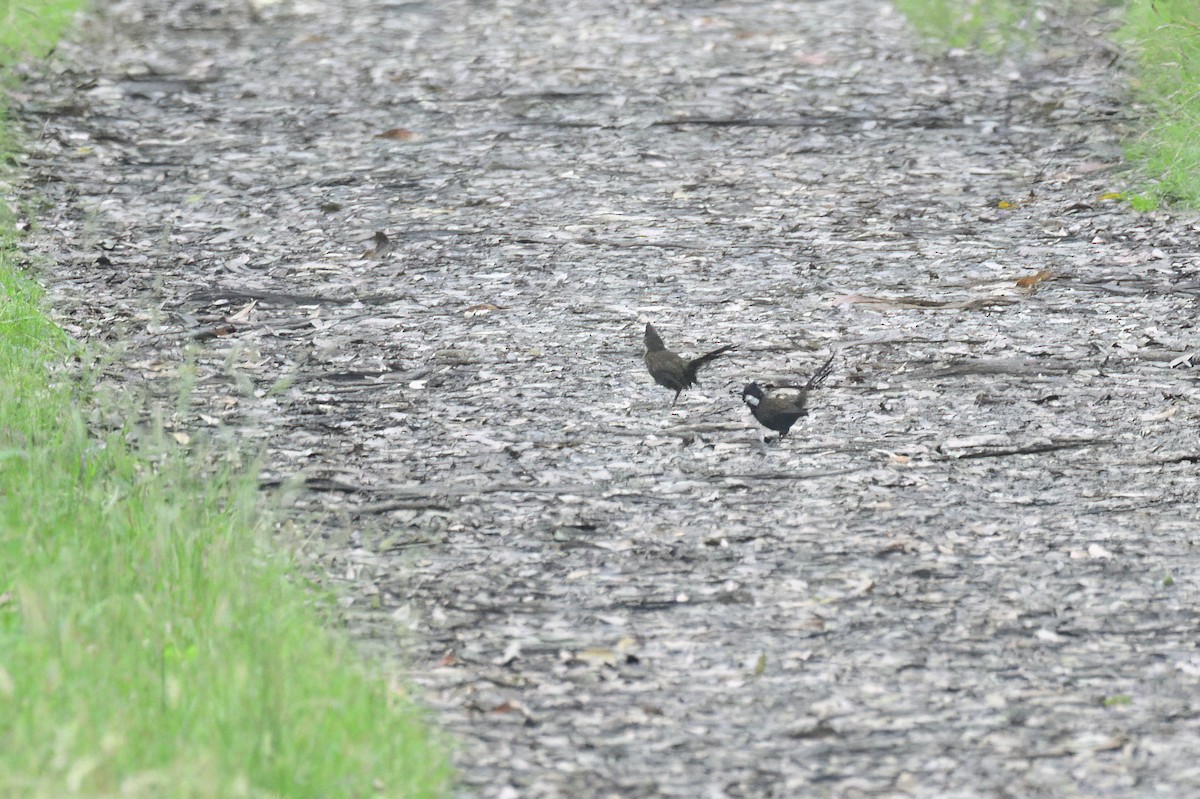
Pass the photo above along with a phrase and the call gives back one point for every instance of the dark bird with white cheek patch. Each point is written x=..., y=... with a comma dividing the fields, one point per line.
x=778, y=407
x=671, y=371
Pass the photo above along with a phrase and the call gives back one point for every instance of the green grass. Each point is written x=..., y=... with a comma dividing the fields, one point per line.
x=991, y=26
x=153, y=643
x=1164, y=36
x=32, y=28
x=27, y=28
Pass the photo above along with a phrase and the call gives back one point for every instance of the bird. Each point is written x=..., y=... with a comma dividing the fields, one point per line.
x=671, y=371
x=778, y=407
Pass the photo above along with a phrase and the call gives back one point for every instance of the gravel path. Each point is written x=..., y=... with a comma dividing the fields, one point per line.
x=971, y=572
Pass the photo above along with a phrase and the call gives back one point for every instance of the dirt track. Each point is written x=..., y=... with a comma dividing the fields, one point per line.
x=971, y=572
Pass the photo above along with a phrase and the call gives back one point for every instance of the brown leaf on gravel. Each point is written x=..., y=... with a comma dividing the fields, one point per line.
x=1031, y=281
x=398, y=134
x=481, y=309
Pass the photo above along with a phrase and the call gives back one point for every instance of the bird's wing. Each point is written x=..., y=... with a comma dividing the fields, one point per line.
x=785, y=399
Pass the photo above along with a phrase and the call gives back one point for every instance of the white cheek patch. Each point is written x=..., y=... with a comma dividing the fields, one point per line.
x=751, y=400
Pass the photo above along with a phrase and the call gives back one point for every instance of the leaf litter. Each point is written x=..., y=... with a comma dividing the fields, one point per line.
x=929, y=589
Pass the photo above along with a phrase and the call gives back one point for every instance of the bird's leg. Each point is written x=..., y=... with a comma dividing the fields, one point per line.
x=674, y=401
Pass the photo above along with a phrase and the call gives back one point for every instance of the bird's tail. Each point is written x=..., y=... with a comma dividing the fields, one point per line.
x=694, y=365
x=819, y=376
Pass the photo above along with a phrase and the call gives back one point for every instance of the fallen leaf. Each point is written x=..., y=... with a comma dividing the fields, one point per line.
x=597, y=656
x=398, y=134
x=1160, y=416
x=511, y=706
x=894, y=457
x=481, y=310
x=243, y=314
x=1029, y=281
x=973, y=442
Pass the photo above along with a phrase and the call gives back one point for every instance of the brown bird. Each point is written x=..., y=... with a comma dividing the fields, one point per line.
x=671, y=371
